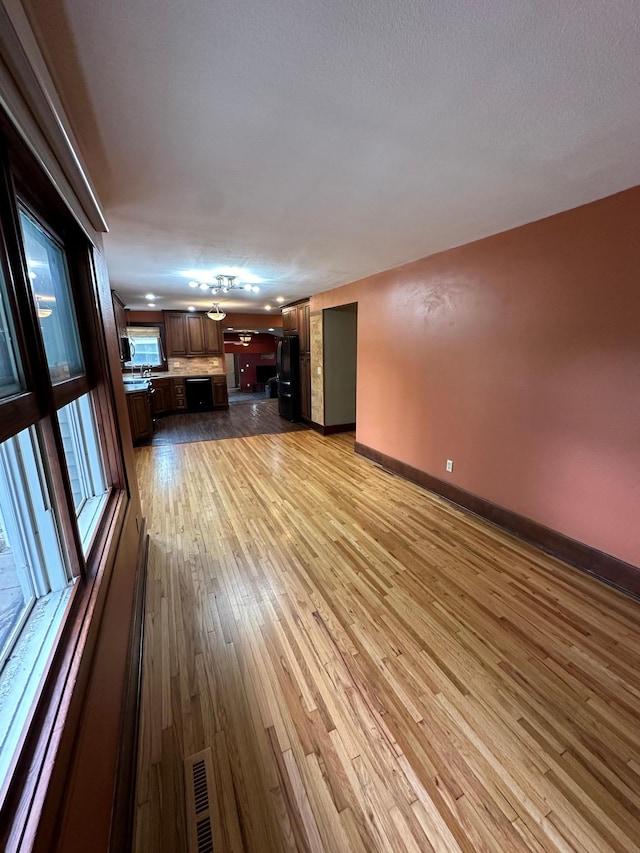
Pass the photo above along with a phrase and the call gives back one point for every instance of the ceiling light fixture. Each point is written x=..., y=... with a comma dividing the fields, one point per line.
x=279, y=298
x=267, y=307
x=225, y=283
x=191, y=308
x=151, y=304
x=149, y=296
x=245, y=340
x=214, y=313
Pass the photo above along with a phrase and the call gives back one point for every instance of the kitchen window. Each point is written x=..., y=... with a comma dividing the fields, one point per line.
x=146, y=346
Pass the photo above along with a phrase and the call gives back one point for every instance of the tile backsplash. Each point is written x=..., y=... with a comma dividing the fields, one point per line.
x=193, y=366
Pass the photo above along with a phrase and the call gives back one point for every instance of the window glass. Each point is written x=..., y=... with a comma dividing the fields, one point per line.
x=16, y=587
x=34, y=583
x=10, y=373
x=51, y=287
x=84, y=463
x=146, y=346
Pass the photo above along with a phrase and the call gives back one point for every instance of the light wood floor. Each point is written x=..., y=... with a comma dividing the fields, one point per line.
x=373, y=669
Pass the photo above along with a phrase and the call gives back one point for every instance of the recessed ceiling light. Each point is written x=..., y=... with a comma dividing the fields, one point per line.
x=151, y=304
x=267, y=307
x=149, y=296
x=191, y=308
x=279, y=298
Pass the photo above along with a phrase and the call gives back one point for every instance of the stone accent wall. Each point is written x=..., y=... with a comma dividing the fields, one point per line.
x=317, y=361
x=196, y=366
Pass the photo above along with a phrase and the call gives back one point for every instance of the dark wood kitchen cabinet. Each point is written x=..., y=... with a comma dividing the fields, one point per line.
x=304, y=327
x=192, y=334
x=175, y=328
x=195, y=334
x=290, y=320
x=213, y=336
x=162, y=396
x=296, y=320
x=179, y=399
x=120, y=316
x=139, y=415
x=220, y=394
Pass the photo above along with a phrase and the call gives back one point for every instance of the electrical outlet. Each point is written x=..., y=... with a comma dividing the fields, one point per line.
x=449, y=465
x=319, y=371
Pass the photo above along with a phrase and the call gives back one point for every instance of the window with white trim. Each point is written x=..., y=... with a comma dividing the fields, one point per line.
x=84, y=463
x=146, y=346
x=35, y=582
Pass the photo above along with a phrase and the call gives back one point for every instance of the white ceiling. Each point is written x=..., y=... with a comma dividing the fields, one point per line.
x=312, y=143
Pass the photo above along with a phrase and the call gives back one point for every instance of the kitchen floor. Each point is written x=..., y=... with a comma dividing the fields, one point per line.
x=257, y=417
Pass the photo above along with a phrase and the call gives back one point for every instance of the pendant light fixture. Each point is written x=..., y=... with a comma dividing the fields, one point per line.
x=214, y=313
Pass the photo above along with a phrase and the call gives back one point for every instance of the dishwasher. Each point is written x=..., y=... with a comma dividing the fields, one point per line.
x=199, y=394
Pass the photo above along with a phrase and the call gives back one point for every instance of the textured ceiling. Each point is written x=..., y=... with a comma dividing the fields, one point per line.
x=313, y=143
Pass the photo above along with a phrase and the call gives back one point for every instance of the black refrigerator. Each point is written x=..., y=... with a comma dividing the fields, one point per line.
x=288, y=366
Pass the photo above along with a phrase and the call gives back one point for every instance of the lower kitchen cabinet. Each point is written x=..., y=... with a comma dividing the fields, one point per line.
x=179, y=400
x=168, y=395
x=140, y=415
x=162, y=396
x=220, y=394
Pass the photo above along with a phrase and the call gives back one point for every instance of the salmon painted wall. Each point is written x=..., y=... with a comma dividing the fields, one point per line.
x=517, y=356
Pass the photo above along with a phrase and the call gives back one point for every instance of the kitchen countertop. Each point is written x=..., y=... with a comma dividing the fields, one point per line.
x=133, y=383
x=166, y=375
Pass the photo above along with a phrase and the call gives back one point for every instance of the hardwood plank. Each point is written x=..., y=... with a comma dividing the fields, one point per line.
x=373, y=668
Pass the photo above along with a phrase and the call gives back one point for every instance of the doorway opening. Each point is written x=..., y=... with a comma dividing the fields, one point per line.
x=232, y=370
x=340, y=350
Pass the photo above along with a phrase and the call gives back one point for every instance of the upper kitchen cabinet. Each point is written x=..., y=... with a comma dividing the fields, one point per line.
x=175, y=329
x=195, y=334
x=290, y=320
x=213, y=336
x=296, y=321
x=304, y=327
x=120, y=316
x=192, y=334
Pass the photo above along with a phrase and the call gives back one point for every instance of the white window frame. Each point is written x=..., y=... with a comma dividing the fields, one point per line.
x=32, y=533
x=148, y=333
x=85, y=443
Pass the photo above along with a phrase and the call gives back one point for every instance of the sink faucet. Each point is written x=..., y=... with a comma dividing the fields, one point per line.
x=145, y=370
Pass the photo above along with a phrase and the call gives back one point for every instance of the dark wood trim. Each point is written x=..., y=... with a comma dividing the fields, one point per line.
x=332, y=430
x=68, y=390
x=32, y=800
x=335, y=428
x=18, y=413
x=121, y=837
x=611, y=570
